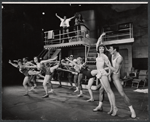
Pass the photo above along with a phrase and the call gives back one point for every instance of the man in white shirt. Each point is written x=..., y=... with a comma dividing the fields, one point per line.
x=65, y=23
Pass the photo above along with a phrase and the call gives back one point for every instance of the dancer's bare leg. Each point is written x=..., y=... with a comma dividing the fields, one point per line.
x=25, y=82
x=90, y=82
x=119, y=87
x=46, y=80
x=75, y=82
x=101, y=99
x=80, y=76
x=111, y=97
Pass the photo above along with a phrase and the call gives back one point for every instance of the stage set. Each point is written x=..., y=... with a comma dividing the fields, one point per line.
x=64, y=57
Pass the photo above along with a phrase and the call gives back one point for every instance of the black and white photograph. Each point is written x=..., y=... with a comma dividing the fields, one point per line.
x=74, y=61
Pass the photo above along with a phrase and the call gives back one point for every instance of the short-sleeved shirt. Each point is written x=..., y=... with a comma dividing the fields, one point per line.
x=65, y=23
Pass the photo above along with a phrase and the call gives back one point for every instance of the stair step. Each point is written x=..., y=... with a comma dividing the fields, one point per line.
x=92, y=55
x=91, y=61
x=91, y=67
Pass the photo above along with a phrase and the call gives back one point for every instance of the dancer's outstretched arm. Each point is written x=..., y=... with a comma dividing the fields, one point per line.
x=72, y=17
x=13, y=64
x=32, y=67
x=99, y=41
x=15, y=61
x=71, y=61
x=49, y=60
x=58, y=16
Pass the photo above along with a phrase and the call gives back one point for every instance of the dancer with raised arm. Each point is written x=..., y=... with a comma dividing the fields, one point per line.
x=103, y=76
x=48, y=74
x=33, y=77
x=65, y=24
x=117, y=60
x=25, y=70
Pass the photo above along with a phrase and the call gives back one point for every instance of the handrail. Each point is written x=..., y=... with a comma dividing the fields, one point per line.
x=119, y=34
x=59, y=36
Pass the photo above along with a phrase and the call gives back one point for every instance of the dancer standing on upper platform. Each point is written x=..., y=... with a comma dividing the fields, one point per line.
x=65, y=23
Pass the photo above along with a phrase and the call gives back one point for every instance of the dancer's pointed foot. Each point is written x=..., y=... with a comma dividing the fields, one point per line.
x=32, y=88
x=90, y=100
x=110, y=112
x=51, y=91
x=80, y=95
x=115, y=110
x=45, y=96
x=133, y=114
x=98, y=108
x=26, y=94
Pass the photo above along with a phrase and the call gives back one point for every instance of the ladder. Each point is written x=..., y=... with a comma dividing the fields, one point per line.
x=91, y=57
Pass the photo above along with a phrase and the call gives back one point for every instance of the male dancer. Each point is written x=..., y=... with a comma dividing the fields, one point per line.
x=117, y=60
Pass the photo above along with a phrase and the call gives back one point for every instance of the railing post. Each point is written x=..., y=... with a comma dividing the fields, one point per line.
x=59, y=36
x=77, y=32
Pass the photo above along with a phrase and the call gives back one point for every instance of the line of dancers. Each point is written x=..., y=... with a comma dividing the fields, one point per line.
x=79, y=69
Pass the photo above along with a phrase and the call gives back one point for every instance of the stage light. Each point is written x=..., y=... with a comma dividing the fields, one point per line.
x=2, y=6
x=43, y=13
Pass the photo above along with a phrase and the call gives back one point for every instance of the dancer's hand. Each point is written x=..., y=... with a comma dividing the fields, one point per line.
x=56, y=14
x=67, y=59
x=103, y=33
x=9, y=61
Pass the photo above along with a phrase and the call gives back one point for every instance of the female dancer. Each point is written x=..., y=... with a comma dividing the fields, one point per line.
x=48, y=74
x=77, y=77
x=32, y=77
x=70, y=67
x=90, y=74
x=101, y=60
x=24, y=69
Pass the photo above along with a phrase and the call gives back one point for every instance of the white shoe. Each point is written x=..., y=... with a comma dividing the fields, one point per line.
x=133, y=114
x=51, y=91
x=32, y=88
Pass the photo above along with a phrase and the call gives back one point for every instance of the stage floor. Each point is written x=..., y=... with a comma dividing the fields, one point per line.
x=64, y=105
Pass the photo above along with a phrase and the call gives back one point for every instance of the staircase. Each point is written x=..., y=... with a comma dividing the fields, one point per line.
x=51, y=53
x=91, y=57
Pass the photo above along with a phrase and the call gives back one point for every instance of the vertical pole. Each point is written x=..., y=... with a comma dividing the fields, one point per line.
x=59, y=36
x=85, y=54
x=60, y=55
x=77, y=33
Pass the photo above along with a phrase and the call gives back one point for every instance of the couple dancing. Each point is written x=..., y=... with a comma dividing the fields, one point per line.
x=115, y=68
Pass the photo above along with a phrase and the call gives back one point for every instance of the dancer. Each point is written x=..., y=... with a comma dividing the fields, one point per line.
x=25, y=70
x=65, y=23
x=117, y=60
x=32, y=77
x=90, y=74
x=69, y=66
x=48, y=74
x=78, y=76
x=103, y=76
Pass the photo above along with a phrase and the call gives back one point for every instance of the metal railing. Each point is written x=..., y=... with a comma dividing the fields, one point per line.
x=125, y=33
x=74, y=33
